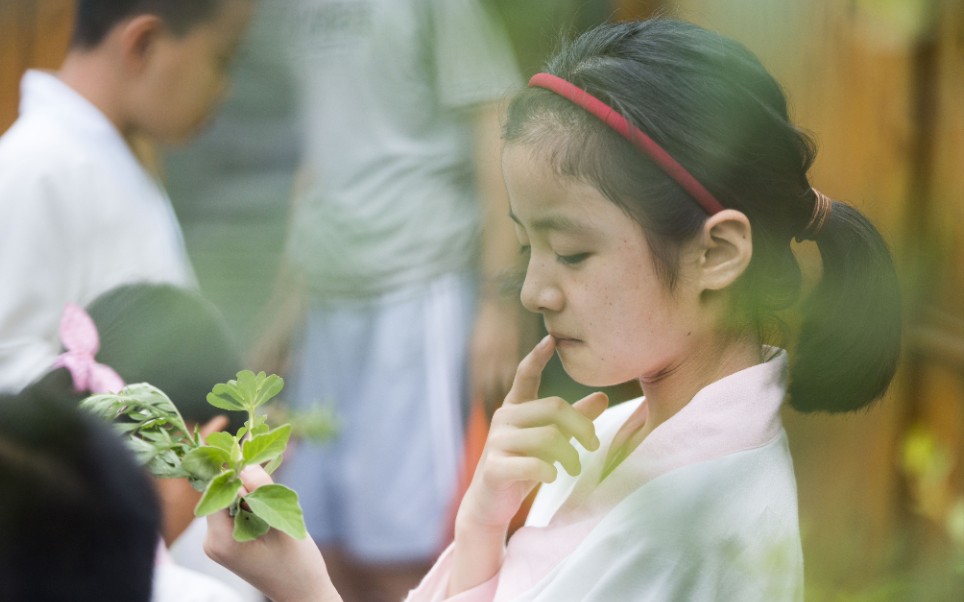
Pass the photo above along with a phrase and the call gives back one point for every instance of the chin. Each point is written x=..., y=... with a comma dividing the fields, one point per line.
x=588, y=377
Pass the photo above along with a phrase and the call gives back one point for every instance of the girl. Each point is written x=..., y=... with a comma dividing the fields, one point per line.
x=656, y=184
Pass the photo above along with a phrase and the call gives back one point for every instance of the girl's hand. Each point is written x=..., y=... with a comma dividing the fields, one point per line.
x=283, y=568
x=526, y=439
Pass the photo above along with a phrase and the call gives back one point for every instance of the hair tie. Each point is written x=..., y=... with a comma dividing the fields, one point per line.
x=821, y=211
x=630, y=132
x=78, y=333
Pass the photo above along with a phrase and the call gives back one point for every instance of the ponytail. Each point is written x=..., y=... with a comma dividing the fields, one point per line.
x=849, y=341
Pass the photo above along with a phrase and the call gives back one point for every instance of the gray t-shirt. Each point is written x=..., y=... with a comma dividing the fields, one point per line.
x=387, y=86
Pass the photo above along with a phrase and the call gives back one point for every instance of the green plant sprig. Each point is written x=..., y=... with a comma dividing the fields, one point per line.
x=156, y=432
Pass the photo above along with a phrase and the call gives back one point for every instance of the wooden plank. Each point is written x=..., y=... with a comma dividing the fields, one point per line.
x=33, y=34
x=851, y=72
x=53, y=24
x=14, y=55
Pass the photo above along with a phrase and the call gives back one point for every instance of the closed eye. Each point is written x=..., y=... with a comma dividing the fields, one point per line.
x=572, y=259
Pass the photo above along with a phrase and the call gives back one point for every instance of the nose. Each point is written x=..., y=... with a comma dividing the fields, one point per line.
x=539, y=294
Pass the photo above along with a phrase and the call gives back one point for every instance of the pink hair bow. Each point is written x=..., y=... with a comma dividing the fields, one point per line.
x=78, y=333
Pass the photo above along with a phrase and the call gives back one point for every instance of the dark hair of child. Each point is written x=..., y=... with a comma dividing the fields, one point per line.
x=95, y=18
x=713, y=107
x=79, y=520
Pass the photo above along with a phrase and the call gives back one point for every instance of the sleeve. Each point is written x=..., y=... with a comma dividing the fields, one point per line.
x=434, y=586
x=474, y=61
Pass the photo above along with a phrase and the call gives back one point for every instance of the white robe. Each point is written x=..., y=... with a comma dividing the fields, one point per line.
x=705, y=508
x=79, y=215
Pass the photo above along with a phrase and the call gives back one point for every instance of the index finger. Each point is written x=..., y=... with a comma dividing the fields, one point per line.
x=528, y=376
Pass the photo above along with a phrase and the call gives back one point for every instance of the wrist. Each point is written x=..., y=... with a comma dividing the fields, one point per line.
x=470, y=528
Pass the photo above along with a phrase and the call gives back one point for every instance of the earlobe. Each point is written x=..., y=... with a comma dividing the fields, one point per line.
x=727, y=247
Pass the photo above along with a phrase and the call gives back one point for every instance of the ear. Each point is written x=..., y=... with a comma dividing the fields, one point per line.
x=138, y=38
x=726, y=249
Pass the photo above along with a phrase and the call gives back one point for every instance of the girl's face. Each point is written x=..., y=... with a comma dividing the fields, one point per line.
x=591, y=276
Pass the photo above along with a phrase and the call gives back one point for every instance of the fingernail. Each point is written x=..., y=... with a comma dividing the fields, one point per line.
x=545, y=340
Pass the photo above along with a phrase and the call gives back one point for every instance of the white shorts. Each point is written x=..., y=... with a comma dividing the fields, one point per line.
x=394, y=371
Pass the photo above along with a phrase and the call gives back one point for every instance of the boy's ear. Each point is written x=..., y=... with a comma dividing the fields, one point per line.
x=726, y=247
x=138, y=39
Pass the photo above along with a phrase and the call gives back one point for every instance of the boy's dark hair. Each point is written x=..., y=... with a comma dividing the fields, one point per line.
x=711, y=105
x=167, y=336
x=95, y=18
x=79, y=520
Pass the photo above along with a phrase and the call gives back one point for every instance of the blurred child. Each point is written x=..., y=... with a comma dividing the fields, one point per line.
x=78, y=517
x=395, y=247
x=656, y=184
x=176, y=340
x=81, y=212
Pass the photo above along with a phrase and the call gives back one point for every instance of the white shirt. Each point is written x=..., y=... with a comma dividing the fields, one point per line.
x=79, y=215
x=704, y=509
x=173, y=583
x=387, y=88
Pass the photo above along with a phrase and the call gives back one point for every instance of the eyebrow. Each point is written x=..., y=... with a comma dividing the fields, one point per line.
x=554, y=222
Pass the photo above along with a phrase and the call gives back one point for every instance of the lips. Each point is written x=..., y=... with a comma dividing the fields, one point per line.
x=563, y=339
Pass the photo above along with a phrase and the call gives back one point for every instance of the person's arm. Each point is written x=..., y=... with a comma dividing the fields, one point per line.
x=498, y=332
x=285, y=310
x=528, y=436
x=283, y=568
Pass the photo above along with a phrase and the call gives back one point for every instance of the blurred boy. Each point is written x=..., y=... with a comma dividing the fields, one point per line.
x=81, y=213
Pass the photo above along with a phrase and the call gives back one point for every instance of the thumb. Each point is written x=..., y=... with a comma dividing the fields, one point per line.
x=255, y=476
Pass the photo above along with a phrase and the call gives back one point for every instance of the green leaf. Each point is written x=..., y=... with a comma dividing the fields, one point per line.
x=221, y=440
x=260, y=425
x=248, y=384
x=225, y=441
x=273, y=465
x=266, y=446
x=278, y=506
x=248, y=527
x=205, y=462
x=268, y=387
x=153, y=427
x=226, y=396
x=219, y=495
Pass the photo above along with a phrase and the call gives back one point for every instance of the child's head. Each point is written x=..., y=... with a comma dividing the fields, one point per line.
x=713, y=108
x=78, y=518
x=164, y=335
x=174, y=57
x=174, y=339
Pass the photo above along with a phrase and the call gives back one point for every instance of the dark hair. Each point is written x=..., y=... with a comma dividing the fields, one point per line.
x=167, y=336
x=709, y=102
x=95, y=18
x=79, y=520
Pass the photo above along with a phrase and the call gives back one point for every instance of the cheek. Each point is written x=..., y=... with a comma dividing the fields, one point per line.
x=636, y=314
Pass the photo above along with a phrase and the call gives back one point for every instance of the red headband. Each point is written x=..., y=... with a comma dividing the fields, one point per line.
x=640, y=140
